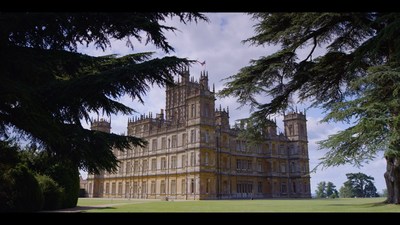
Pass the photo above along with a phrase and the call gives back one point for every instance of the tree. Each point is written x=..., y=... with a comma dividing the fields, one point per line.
x=358, y=185
x=47, y=88
x=326, y=190
x=331, y=191
x=346, y=191
x=354, y=81
x=321, y=190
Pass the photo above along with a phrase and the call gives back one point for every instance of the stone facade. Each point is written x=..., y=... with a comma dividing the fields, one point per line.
x=193, y=153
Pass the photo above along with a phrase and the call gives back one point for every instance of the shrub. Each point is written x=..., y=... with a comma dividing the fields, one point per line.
x=25, y=193
x=67, y=177
x=52, y=192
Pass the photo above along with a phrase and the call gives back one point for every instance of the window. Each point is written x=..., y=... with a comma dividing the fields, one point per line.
x=144, y=187
x=206, y=137
x=282, y=149
x=291, y=130
x=283, y=188
x=154, y=145
x=192, y=136
x=259, y=187
x=136, y=166
x=259, y=166
x=173, y=186
x=120, y=168
x=293, y=167
x=127, y=187
x=128, y=167
x=192, y=186
x=206, y=109
x=283, y=168
x=107, y=188
x=206, y=159
x=249, y=165
x=184, y=139
x=184, y=163
x=120, y=188
x=163, y=163
x=113, y=188
x=174, y=141
x=135, y=187
x=208, y=186
x=238, y=164
x=192, y=159
x=162, y=187
x=163, y=143
x=294, y=187
x=153, y=187
x=183, y=186
x=173, y=162
x=145, y=165
x=193, y=111
x=153, y=164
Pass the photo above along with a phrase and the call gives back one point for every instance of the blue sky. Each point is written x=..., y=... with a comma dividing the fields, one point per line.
x=219, y=44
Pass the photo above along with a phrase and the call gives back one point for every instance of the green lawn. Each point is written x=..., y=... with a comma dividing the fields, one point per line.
x=310, y=205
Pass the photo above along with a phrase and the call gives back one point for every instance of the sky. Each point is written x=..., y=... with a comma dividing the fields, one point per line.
x=219, y=44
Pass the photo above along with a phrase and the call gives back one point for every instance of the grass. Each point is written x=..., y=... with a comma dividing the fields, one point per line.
x=304, y=205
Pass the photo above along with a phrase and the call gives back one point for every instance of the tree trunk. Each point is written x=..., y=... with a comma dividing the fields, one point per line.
x=392, y=178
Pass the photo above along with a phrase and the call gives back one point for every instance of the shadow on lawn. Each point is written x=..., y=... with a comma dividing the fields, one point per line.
x=364, y=205
x=77, y=209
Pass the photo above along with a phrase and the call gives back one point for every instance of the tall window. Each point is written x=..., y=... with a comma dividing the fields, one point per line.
x=183, y=186
x=206, y=136
x=113, y=188
x=127, y=188
x=283, y=168
x=184, y=139
x=162, y=187
x=163, y=143
x=136, y=166
x=192, y=136
x=193, y=111
x=120, y=188
x=294, y=187
x=154, y=145
x=173, y=186
x=259, y=166
x=192, y=186
x=173, y=162
x=292, y=167
x=184, y=163
x=121, y=168
x=153, y=187
x=163, y=163
x=144, y=187
x=192, y=159
x=128, y=167
x=283, y=188
x=206, y=159
x=145, y=165
x=208, y=186
x=153, y=164
x=107, y=188
x=135, y=187
x=174, y=141
x=259, y=187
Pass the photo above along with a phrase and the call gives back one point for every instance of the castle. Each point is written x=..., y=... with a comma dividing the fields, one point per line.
x=193, y=153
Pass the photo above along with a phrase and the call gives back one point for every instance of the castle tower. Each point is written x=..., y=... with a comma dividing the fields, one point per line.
x=295, y=126
x=101, y=125
x=95, y=187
